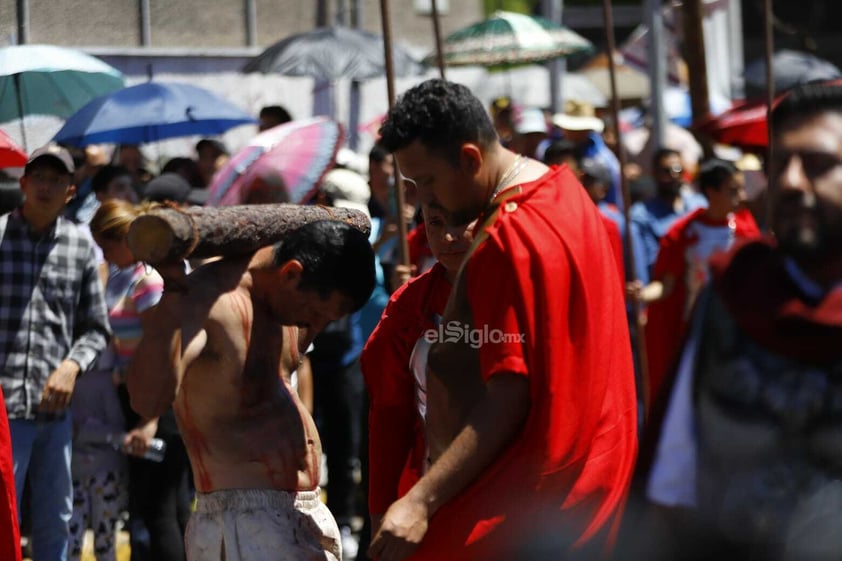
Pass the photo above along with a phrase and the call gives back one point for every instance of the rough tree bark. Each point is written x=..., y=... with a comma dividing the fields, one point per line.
x=167, y=234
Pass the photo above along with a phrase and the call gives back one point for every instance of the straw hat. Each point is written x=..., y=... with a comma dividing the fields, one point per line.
x=578, y=116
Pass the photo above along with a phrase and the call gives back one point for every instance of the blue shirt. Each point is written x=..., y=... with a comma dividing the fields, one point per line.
x=650, y=220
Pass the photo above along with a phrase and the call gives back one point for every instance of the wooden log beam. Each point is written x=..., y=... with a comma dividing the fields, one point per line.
x=167, y=234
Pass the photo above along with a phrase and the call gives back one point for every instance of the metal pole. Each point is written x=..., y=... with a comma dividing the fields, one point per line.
x=145, y=24
x=390, y=88
x=251, y=23
x=23, y=22
x=768, y=21
x=639, y=337
x=20, y=111
x=355, y=93
x=657, y=70
x=437, y=32
x=553, y=10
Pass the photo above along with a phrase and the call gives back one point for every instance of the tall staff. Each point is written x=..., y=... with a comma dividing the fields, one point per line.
x=437, y=32
x=390, y=87
x=639, y=336
x=768, y=17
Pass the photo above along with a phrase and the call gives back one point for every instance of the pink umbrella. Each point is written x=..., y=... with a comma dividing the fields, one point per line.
x=293, y=157
x=11, y=155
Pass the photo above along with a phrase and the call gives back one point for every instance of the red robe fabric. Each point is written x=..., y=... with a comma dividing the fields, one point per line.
x=617, y=247
x=396, y=436
x=9, y=531
x=666, y=319
x=755, y=286
x=547, y=271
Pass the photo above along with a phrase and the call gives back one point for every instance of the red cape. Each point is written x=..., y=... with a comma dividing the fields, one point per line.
x=9, y=531
x=769, y=307
x=547, y=270
x=666, y=324
x=396, y=437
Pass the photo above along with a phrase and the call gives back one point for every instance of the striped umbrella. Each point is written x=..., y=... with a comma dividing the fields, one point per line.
x=508, y=39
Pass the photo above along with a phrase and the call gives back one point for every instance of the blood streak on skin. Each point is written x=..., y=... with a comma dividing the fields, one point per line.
x=197, y=442
x=241, y=309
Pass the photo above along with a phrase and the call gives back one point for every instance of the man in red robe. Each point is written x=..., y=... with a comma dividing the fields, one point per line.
x=681, y=268
x=394, y=366
x=531, y=413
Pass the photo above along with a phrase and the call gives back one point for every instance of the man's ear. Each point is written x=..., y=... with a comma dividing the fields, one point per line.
x=470, y=158
x=290, y=272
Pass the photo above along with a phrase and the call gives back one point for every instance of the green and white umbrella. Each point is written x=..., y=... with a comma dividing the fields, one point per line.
x=50, y=80
x=509, y=39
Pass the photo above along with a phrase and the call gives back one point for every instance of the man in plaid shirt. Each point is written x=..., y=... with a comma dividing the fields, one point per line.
x=53, y=326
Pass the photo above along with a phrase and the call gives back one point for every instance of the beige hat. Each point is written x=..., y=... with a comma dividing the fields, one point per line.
x=578, y=116
x=347, y=188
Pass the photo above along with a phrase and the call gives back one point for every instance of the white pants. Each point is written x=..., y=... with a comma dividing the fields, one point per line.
x=262, y=525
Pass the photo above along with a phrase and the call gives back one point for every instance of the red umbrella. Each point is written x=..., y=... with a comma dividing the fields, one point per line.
x=292, y=157
x=743, y=125
x=11, y=155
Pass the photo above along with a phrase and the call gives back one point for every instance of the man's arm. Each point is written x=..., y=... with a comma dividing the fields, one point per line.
x=91, y=332
x=493, y=422
x=171, y=342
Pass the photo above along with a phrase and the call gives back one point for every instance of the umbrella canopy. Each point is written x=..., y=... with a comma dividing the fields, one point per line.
x=151, y=112
x=49, y=80
x=11, y=155
x=743, y=125
x=508, y=38
x=330, y=53
x=789, y=69
x=294, y=156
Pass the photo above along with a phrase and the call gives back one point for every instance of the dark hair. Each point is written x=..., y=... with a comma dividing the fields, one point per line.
x=217, y=145
x=662, y=153
x=378, y=153
x=186, y=168
x=107, y=174
x=334, y=256
x=714, y=172
x=442, y=115
x=276, y=113
x=808, y=99
x=559, y=150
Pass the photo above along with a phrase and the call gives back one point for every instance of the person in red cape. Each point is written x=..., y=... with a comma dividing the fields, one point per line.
x=748, y=450
x=9, y=530
x=531, y=411
x=681, y=268
x=393, y=364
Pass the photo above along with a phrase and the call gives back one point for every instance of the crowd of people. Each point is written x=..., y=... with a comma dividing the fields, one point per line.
x=546, y=375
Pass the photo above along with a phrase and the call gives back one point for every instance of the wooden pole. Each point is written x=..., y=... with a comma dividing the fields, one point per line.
x=694, y=53
x=437, y=31
x=639, y=337
x=390, y=87
x=768, y=17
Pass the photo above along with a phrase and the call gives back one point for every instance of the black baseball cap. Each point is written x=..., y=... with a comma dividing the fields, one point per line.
x=173, y=187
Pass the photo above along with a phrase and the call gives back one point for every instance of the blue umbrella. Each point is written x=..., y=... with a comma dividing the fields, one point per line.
x=151, y=112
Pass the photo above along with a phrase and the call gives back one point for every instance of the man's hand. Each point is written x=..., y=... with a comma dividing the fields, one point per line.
x=404, y=526
x=137, y=440
x=401, y=275
x=59, y=388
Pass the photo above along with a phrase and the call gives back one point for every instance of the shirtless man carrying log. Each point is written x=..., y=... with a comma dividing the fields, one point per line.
x=217, y=351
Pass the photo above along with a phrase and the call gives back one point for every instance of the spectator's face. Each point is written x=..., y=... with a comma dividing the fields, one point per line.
x=116, y=252
x=120, y=188
x=668, y=173
x=210, y=160
x=131, y=158
x=807, y=174
x=449, y=244
x=381, y=177
x=46, y=191
x=729, y=196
